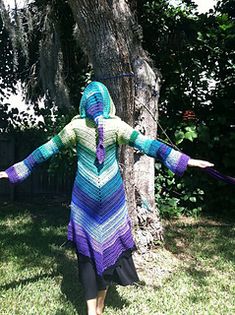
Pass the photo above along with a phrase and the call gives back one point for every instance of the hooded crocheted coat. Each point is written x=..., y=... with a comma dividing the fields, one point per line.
x=99, y=222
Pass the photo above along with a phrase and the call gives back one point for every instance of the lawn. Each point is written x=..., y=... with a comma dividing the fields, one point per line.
x=193, y=274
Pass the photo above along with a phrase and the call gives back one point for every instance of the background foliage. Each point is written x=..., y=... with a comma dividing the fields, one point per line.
x=195, y=54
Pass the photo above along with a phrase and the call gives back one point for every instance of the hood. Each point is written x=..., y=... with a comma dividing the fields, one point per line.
x=96, y=101
x=96, y=104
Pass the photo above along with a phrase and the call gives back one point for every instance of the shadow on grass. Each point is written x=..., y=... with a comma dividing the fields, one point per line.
x=114, y=300
x=70, y=286
x=27, y=233
x=208, y=241
x=15, y=284
x=202, y=238
x=31, y=235
x=199, y=276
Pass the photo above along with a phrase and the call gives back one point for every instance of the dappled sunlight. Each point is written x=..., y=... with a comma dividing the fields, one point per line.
x=193, y=270
x=28, y=236
x=204, y=238
x=33, y=262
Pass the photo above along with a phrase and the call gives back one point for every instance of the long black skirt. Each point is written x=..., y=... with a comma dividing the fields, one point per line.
x=122, y=273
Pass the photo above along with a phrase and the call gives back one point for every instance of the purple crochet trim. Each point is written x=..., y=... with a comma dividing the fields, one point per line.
x=182, y=165
x=12, y=175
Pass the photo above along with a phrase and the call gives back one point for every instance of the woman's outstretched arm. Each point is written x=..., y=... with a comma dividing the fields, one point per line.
x=174, y=160
x=21, y=170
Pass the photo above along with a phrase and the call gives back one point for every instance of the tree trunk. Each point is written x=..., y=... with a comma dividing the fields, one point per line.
x=109, y=35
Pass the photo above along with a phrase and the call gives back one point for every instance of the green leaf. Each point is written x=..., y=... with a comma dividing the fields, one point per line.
x=190, y=135
x=179, y=136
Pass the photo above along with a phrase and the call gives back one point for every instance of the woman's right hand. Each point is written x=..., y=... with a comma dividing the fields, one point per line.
x=3, y=175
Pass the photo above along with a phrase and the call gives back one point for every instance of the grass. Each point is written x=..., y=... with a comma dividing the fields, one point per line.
x=193, y=274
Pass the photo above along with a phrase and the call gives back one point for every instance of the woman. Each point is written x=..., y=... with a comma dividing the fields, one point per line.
x=99, y=223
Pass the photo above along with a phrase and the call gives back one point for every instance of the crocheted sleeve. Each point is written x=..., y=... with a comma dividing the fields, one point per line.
x=21, y=170
x=174, y=160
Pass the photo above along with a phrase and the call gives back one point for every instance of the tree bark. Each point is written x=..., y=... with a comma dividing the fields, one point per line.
x=109, y=35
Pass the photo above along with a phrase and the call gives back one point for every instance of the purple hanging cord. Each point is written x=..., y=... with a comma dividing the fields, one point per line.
x=214, y=173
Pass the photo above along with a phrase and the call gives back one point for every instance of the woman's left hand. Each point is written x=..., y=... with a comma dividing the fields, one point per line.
x=199, y=163
x=3, y=174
